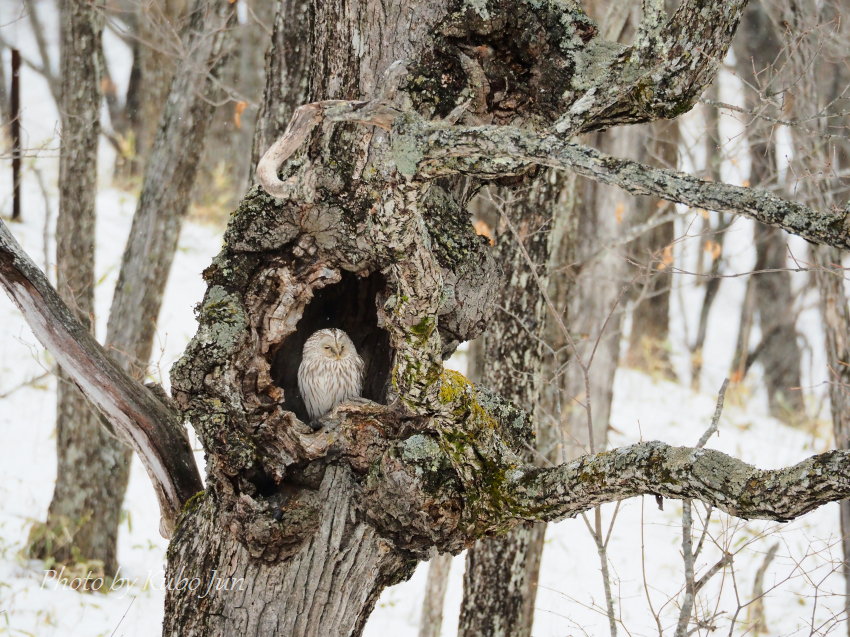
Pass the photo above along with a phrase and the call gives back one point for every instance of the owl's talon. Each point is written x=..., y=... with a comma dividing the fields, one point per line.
x=315, y=425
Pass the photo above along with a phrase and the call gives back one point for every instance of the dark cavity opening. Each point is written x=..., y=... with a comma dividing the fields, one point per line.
x=350, y=306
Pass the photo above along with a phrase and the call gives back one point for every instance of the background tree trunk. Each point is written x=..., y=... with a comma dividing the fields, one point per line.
x=431, y=621
x=93, y=491
x=500, y=579
x=648, y=339
x=156, y=26
x=226, y=163
x=83, y=513
x=756, y=54
x=819, y=60
x=288, y=60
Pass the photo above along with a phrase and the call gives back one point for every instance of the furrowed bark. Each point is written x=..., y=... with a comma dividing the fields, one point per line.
x=500, y=580
x=148, y=425
x=89, y=463
x=150, y=249
x=287, y=81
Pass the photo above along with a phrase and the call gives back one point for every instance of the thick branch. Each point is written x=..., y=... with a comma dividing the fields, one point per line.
x=433, y=149
x=146, y=423
x=662, y=74
x=680, y=472
x=498, y=151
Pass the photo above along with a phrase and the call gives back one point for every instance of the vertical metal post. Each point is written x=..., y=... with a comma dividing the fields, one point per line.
x=15, y=130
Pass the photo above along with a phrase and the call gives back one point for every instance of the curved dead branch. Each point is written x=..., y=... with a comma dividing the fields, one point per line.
x=304, y=120
x=152, y=428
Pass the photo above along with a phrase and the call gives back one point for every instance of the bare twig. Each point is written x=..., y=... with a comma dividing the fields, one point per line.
x=715, y=419
x=26, y=383
x=688, y=558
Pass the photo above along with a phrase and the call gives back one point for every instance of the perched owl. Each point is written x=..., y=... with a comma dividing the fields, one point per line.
x=331, y=371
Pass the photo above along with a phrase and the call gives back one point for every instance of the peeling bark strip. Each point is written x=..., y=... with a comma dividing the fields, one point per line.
x=655, y=468
x=153, y=429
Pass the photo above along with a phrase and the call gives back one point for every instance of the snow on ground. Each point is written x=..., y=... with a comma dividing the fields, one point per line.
x=803, y=588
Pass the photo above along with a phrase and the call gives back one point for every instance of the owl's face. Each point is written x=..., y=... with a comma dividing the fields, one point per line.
x=330, y=343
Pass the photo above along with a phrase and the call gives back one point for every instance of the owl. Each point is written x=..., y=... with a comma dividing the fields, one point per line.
x=331, y=372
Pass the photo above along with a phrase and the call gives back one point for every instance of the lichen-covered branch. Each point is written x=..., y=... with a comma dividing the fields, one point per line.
x=661, y=75
x=434, y=150
x=655, y=468
x=150, y=426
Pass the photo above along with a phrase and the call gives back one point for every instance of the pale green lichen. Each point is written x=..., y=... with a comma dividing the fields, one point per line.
x=222, y=318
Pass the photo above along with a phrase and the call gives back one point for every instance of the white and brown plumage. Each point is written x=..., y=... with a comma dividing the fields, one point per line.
x=331, y=372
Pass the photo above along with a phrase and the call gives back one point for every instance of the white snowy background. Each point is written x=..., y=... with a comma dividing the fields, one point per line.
x=804, y=588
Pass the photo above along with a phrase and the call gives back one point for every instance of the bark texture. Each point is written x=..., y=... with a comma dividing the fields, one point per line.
x=288, y=59
x=370, y=233
x=143, y=275
x=500, y=579
x=81, y=511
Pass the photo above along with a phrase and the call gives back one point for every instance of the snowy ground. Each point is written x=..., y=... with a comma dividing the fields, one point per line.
x=803, y=588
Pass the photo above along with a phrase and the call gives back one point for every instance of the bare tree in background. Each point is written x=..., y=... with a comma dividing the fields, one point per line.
x=649, y=345
x=770, y=296
x=363, y=229
x=818, y=68
x=82, y=518
x=85, y=509
x=500, y=579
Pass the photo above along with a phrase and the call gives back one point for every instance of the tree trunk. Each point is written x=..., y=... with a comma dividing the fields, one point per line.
x=649, y=336
x=89, y=494
x=82, y=515
x=157, y=51
x=778, y=351
x=501, y=574
x=328, y=587
x=226, y=164
x=288, y=61
x=836, y=317
x=819, y=152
